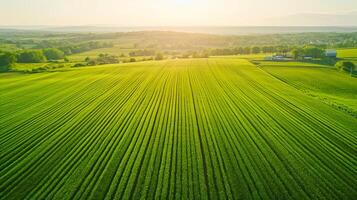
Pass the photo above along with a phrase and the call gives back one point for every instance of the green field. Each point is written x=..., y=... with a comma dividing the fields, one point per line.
x=333, y=87
x=347, y=53
x=213, y=128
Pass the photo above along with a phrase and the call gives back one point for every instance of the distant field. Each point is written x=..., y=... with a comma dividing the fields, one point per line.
x=117, y=51
x=327, y=84
x=182, y=129
x=250, y=56
x=292, y=64
x=347, y=53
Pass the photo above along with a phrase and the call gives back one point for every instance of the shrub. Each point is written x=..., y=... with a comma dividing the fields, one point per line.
x=79, y=65
x=346, y=66
x=107, y=59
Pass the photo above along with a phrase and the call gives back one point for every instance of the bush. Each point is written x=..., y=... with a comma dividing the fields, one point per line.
x=107, y=59
x=92, y=62
x=79, y=65
x=346, y=66
x=34, y=56
x=46, y=68
x=132, y=60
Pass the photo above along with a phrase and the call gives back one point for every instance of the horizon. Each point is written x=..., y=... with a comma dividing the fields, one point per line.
x=212, y=30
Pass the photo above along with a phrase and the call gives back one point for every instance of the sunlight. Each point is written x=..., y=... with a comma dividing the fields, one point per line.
x=182, y=2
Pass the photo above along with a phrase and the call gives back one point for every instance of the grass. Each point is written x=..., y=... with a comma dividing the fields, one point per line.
x=293, y=64
x=180, y=129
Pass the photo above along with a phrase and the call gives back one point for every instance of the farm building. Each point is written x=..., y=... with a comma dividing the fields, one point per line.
x=331, y=53
x=278, y=58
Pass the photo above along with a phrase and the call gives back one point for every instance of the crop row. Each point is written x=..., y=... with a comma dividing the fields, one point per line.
x=188, y=129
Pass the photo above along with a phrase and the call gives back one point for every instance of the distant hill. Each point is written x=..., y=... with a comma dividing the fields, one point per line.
x=233, y=30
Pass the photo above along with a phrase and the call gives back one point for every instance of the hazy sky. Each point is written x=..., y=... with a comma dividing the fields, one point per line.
x=164, y=12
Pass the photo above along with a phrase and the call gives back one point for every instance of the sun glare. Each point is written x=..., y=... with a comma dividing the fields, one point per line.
x=182, y=2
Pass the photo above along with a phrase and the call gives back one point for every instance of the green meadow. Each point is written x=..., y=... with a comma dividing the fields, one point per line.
x=216, y=128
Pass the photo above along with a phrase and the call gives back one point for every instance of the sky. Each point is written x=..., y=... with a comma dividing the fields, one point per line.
x=177, y=12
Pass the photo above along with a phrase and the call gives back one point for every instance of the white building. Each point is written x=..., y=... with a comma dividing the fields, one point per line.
x=332, y=53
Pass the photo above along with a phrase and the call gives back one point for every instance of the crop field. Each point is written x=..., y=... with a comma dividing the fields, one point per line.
x=347, y=53
x=178, y=129
x=329, y=85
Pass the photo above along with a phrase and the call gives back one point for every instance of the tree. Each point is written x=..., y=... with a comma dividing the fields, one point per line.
x=247, y=50
x=6, y=61
x=53, y=54
x=132, y=60
x=297, y=53
x=346, y=66
x=195, y=55
x=159, y=56
x=255, y=50
x=34, y=56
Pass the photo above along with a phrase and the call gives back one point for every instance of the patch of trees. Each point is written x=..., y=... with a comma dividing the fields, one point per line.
x=201, y=54
x=101, y=59
x=310, y=51
x=143, y=52
x=82, y=47
x=31, y=56
x=159, y=56
x=250, y=50
x=78, y=42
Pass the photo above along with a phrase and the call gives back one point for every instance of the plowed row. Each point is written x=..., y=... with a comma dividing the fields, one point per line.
x=188, y=129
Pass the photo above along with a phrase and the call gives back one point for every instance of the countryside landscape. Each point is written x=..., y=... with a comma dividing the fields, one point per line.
x=145, y=111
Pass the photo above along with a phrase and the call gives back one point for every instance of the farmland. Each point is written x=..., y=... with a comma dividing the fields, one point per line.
x=325, y=83
x=217, y=128
x=347, y=53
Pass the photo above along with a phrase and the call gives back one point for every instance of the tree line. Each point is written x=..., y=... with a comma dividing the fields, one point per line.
x=7, y=59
